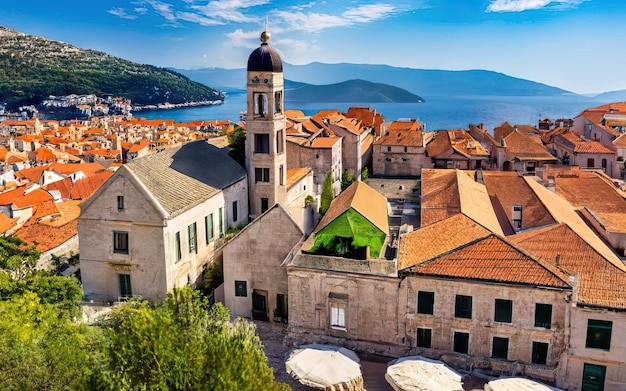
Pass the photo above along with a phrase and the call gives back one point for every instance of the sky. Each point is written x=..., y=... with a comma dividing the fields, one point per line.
x=571, y=44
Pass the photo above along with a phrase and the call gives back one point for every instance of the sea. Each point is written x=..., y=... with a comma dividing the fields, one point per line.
x=436, y=112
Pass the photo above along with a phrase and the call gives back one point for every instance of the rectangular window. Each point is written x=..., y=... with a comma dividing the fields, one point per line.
x=463, y=307
x=281, y=174
x=220, y=222
x=461, y=342
x=120, y=242
x=179, y=253
x=338, y=306
x=543, y=315
x=424, y=337
x=262, y=143
x=125, y=288
x=241, y=289
x=278, y=99
x=504, y=311
x=599, y=334
x=120, y=202
x=235, y=214
x=264, y=204
x=261, y=174
x=208, y=226
x=191, y=234
x=279, y=141
x=540, y=353
x=500, y=348
x=425, y=302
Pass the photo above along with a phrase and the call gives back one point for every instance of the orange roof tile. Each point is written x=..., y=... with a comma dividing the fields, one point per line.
x=84, y=188
x=521, y=147
x=295, y=174
x=32, y=198
x=428, y=242
x=64, y=186
x=33, y=174
x=600, y=283
x=494, y=259
x=412, y=138
x=47, y=237
x=7, y=223
x=324, y=142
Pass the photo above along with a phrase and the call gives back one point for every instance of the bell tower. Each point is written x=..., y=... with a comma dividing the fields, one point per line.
x=266, y=156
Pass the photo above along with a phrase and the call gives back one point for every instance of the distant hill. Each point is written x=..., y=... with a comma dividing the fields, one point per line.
x=612, y=96
x=32, y=68
x=423, y=82
x=351, y=91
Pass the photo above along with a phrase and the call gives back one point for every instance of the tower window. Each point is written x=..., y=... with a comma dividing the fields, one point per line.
x=260, y=104
x=278, y=97
x=262, y=143
x=261, y=174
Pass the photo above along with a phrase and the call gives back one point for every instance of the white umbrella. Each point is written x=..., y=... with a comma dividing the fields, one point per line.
x=518, y=384
x=322, y=366
x=416, y=373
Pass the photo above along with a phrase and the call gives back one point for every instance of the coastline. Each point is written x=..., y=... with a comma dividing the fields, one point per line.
x=168, y=106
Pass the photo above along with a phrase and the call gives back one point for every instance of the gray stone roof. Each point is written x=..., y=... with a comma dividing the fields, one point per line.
x=182, y=177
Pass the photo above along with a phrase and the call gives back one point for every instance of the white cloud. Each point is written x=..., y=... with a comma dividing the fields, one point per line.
x=315, y=22
x=240, y=38
x=163, y=9
x=229, y=10
x=121, y=12
x=523, y=5
x=195, y=18
x=141, y=10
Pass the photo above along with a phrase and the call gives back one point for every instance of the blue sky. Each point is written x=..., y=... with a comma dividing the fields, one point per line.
x=571, y=44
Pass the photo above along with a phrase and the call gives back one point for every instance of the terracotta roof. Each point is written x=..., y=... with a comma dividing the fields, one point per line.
x=601, y=198
x=84, y=188
x=44, y=209
x=324, y=142
x=368, y=202
x=47, y=237
x=600, y=282
x=32, y=198
x=33, y=174
x=70, y=168
x=441, y=237
x=367, y=144
x=510, y=189
x=44, y=155
x=440, y=195
x=412, y=138
x=503, y=130
x=7, y=223
x=64, y=186
x=7, y=197
x=294, y=114
x=494, y=259
x=523, y=148
x=620, y=141
x=592, y=147
x=295, y=174
x=3, y=152
x=369, y=117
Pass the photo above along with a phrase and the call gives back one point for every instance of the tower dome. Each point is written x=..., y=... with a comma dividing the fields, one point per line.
x=264, y=58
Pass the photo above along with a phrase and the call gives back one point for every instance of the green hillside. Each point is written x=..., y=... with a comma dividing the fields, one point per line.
x=358, y=91
x=32, y=68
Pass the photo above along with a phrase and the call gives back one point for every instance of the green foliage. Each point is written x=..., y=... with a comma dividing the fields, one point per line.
x=32, y=68
x=346, y=180
x=39, y=350
x=180, y=346
x=365, y=173
x=237, y=141
x=214, y=276
x=308, y=200
x=327, y=193
x=19, y=276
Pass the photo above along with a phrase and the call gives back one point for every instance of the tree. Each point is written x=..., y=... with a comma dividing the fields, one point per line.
x=179, y=345
x=346, y=179
x=237, y=142
x=40, y=350
x=327, y=193
x=365, y=173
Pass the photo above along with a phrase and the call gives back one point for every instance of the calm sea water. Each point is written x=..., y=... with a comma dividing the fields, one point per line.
x=436, y=112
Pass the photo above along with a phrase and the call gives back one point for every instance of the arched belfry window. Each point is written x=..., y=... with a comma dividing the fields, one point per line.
x=260, y=104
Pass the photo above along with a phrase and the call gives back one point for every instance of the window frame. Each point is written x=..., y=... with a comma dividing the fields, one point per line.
x=424, y=338
x=262, y=143
x=261, y=174
x=500, y=340
x=265, y=204
x=209, y=229
x=177, y=247
x=540, y=356
x=124, y=286
x=192, y=238
x=425, y=302
x=241, y=288
x=235, y=211
x=460, y=310
x=220, y=223
x=455, y=341
x=499, y=305
x=121, y=246
x=543, y=318
x=598, y=327
x=120, y=203
x=338, y=311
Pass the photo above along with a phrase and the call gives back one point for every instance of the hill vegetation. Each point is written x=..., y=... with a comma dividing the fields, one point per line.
x=32, y=68
x=357, y=91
